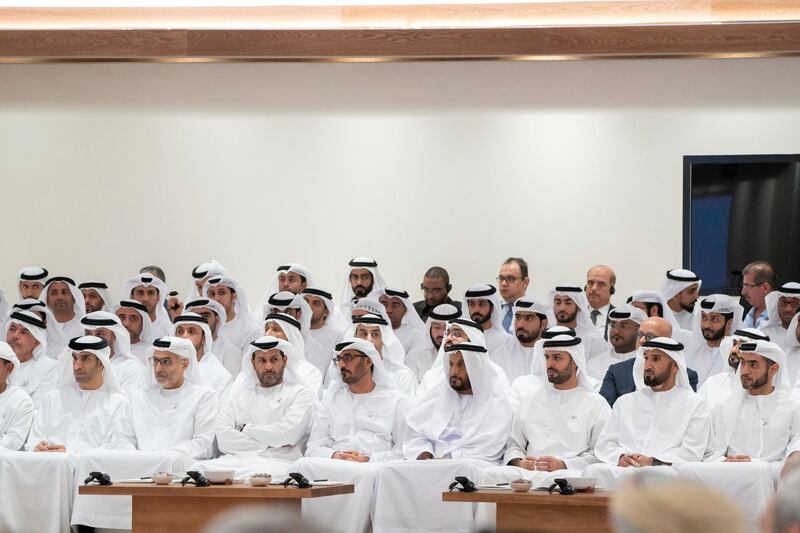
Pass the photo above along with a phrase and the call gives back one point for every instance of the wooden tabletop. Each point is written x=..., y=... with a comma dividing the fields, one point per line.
x=508, y=496
x=218, y=491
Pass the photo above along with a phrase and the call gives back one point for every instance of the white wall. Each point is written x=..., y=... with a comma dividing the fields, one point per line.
x=106, y=167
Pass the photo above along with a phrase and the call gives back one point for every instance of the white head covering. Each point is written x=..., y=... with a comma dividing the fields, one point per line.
x=195, y=320
x=441, y=313
x=147, y=335
x=281, y=301
x=79, y=307
x=574, y=347
x=527, y=304
x=371, y=306
x=677, y=280
x=654, y=297
x=122, y=339
x=147, y=280
x=34, y=324
x=291, y=328
x=357, y=263
x=435, y=409
x=537, y=361
x=240, y=306
x=102, y=289
x=181, y=347
x=393, y=352
x=212, y=304
x=327, y=299
x=744, y=335
x=297, y=268
x=790, y=341
x=484, y=291
x=56, y=339
x=716, y=303
x=673, y=349
x=379, y=374
x=3, y=307
x=576, y=294
x=290, y=376
x=99, y=348
x=7, y=354
x=411, y=318
x=204, y=270
x=790, y=289
x=627, y=312
x=33, y=273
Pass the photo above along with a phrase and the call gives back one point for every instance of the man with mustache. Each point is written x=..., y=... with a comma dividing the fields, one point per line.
x=152, y=293
x=65, y=300
x=359, y=426
x=782, y=304
x=239, y=328
x=31, y=282
x=422, y=357
x=571, y=309
x=363, y=277
x=680, y=289
x=756, y=428
x=529, y=321
x=483, y=305
x=718, y=387
x=660, y=425
x=96, y=296
x=623, y=332
x=134, y=318
x=36, y=373
x=719, y=316
x=194, y=327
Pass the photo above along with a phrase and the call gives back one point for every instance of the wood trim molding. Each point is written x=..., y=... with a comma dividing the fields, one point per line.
x=561, y=30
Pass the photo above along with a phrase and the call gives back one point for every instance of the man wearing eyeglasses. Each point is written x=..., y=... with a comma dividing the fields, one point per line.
x=513, y=282
x=435, y=289
x=758, y=280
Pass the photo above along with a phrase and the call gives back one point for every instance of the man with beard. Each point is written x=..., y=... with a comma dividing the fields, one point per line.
x=421, y=359
x=376, y=330
x=195, y=328
x=150, y=292
x=363, y=277
x=435, y=289
x=782, y=304
x=240, y=328
x=653, y=303
x=359, y=425
x=465, y=424
x=513, y=281
x=660, y=425
x=756, y=428
x=719, y=316
x=214, y=313
x=96, y=296
x=600, y=286
x=129, y=371
x=65, y=301
x=482, y=302
x=322, y=327
x=31, y=282
x=265, y=417
x=758, y=280
x=718, y=387
x=406, y=324
x=556, y=426
x=530, y=320
x=134, y=318
x=296, y=306
x=623, y=332
x=571, y=310
x=680, y=289
x=36, y=373
x=291, y=277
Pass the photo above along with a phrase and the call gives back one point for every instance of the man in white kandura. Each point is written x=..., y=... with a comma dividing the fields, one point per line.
x=36, y=373
x=134, y=318
x=264, y=418
x=362, y=278
x=240, y=328
x=482, y=304
x=680, y=289
x=756, y=428
x=571, y=309
x=16, y=407
x=660, y=425
x=782, y=304
x=466, y=423
x=172, y=426
x=359, y=426
x=285, y=327
x=718, y=387
x=195, y=328
x=623, y=333
x=376, y=330
x=128, y=369
x=151, y=292
x=529, y=319
x=556, y=427
x=406, y=324
x=65, y=300
x=322, y=324
x=719, y=316
x=229, y=354
x=421, y=359
x=296, y=306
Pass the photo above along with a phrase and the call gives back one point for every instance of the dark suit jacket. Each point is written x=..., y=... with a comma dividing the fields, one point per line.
x=619, y=380
x=423, y=310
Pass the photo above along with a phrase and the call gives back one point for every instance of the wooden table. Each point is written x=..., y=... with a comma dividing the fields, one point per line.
x=188, y=509
x=540, y=511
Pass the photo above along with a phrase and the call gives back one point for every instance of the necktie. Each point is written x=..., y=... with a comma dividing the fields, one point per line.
x=594, y=314
x=507, y=318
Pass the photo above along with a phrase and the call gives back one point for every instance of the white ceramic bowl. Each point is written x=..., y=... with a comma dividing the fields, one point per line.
x=162, y=478
x=521, y=486
x=261, y=480
x=219, y=477
x=582, y=483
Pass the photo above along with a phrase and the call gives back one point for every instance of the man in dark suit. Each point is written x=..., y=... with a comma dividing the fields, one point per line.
x=600, y=282
x=619, y=376
x=436, y=290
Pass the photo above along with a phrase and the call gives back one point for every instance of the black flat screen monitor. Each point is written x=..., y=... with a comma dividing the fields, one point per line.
x=738, y=209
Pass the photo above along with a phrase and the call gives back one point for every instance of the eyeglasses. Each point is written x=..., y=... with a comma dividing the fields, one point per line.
x=166, y=362
x=507, y=279
x=646, y=336
x=751, y=285
x=431, y=290
x=347, y=358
